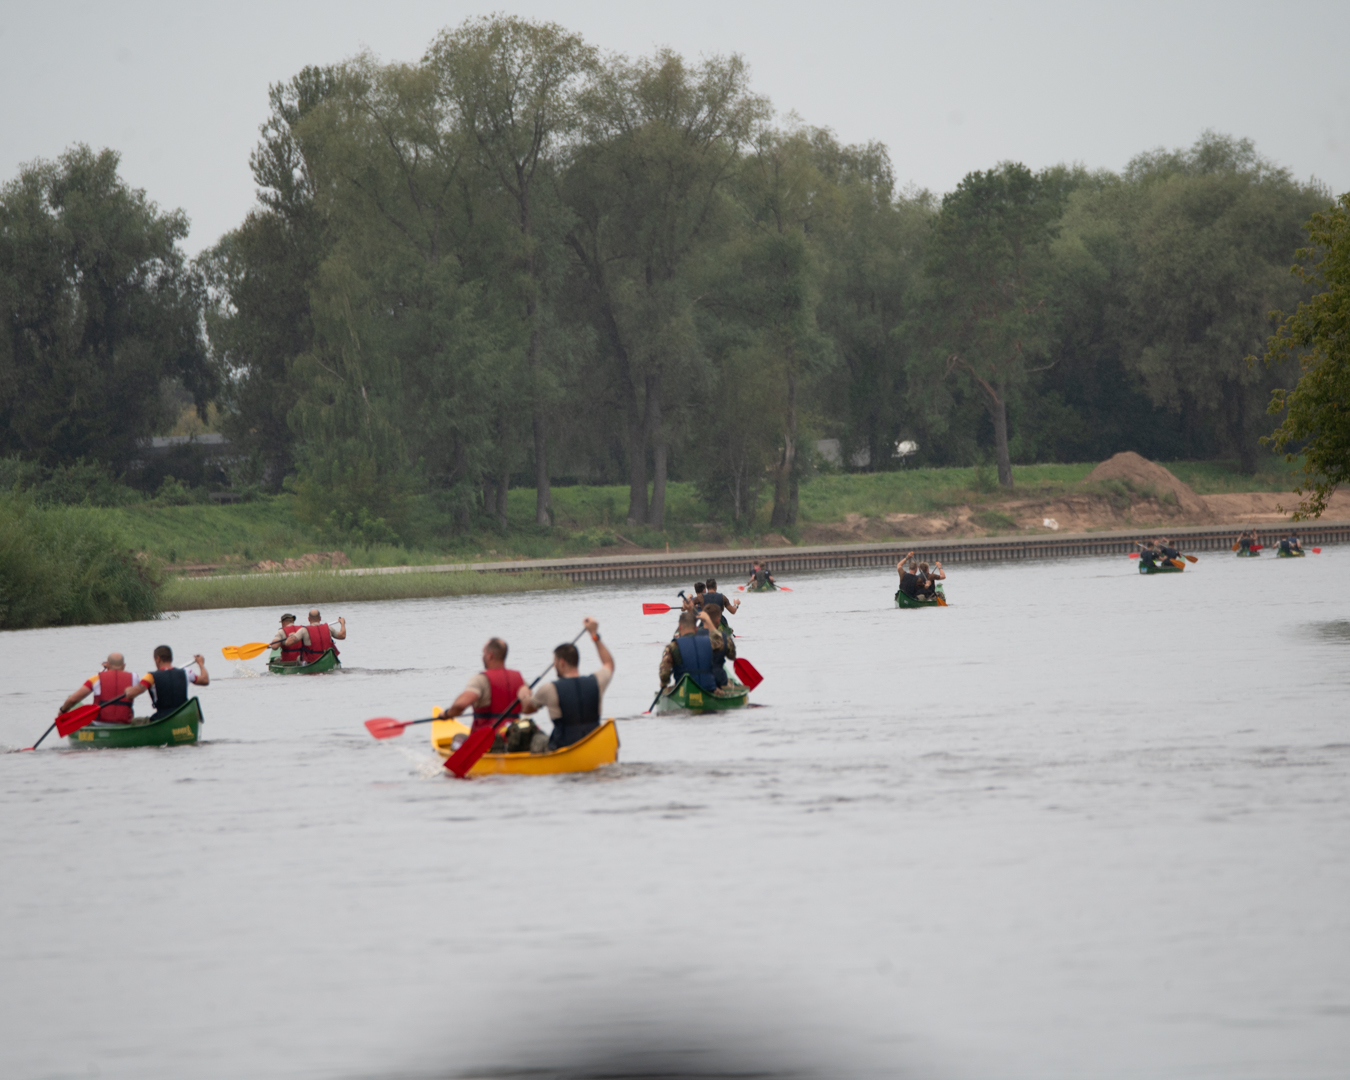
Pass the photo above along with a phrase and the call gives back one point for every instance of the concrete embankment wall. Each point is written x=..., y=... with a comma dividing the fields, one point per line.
x=730, y=566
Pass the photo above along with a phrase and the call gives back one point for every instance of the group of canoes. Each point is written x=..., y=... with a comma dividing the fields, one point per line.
x=1248, y=545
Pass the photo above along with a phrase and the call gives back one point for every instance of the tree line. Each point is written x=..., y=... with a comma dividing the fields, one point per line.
x=518, y=261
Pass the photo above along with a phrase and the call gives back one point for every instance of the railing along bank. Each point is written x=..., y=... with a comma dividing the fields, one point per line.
x=727, y=566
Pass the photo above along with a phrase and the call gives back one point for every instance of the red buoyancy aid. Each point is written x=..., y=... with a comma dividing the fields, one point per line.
x=320, y=641
x=506, y=686
x=290, y=654
x=113, y=684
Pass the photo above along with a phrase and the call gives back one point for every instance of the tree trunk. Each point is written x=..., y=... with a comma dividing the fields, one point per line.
x=503, y=485
x=637, y=450
x=998, y=409
x=656, y=436
x=783, y=508
x=1246, y=445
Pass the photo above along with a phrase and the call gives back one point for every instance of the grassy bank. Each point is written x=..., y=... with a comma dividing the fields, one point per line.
x=592, y=518
x=309, y=590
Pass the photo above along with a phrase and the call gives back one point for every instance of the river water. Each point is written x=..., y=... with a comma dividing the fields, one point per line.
x=1079, y=824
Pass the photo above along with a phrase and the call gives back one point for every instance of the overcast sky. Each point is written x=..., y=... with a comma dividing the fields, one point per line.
x=180, y=88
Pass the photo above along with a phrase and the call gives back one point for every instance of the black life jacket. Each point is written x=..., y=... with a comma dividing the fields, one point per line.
x=1245, y=543
x=1170, y=552
x=1148, y=556
x=579, y=706
x=168, y=691
x=696, y=660
x=761, y=577
x=911, y=584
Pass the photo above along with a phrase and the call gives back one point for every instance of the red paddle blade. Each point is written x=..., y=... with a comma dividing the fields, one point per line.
x=70, y=722
x=386, y=727
x=1134, y=554
x=471, y=749
x=740, y=588
x=1317, y=551
x=783, y=588
x=655, y=609
x=745, y=671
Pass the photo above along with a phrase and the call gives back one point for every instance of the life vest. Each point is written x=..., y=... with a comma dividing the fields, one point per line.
x=719, y=658
x=1245, y=543
x=320, y=641
x=290, y=654
x=696, y=661
x=910, y=584
x=761, y=577
x=168, y=690
x=505, y=685
x=578, y=708
x=113, y=684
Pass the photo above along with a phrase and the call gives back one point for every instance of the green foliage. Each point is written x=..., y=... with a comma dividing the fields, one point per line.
x=97, y=309
x=68, y=566
x=79, y=483
x=1318, y=333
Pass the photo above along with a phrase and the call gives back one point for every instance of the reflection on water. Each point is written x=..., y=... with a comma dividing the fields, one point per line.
x=1080, y=823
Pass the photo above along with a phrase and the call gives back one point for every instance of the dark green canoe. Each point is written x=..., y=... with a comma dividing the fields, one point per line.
x=1246, y=554
x=179, y=727
x=1290, y=554
x=327, y=662
x=687, y=694
x=770, y=587
x=1155, y=569
x=903, y=600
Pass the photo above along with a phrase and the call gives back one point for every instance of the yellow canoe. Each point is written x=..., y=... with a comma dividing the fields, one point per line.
x=600, y=747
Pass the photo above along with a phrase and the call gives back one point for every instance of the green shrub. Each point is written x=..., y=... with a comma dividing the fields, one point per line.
x=65, y=567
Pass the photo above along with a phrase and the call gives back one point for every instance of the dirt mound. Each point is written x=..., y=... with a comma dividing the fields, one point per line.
x=317, y=560
x=1144, y=477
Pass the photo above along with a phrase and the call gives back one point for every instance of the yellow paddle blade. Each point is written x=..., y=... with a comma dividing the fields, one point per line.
x=243, y=652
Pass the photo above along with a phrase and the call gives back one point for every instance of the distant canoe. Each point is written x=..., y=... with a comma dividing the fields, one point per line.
x=327, y=662
x=687, y=694
x=1144, y=568
x=599, y=747
x=1290, y=554
x=1246, y=553
x=904, y=600
x=766, y=587
x=178, y=728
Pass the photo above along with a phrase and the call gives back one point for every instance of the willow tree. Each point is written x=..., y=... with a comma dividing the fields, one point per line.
x=513, y=86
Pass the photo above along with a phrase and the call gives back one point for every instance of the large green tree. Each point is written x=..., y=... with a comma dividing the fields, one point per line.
x=1318, y=334
x=98, y=309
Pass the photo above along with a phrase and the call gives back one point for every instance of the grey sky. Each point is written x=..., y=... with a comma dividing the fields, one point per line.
x=180, y=88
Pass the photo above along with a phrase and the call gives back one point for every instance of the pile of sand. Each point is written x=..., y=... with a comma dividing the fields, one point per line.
x=317, y=560
x=1142, y=474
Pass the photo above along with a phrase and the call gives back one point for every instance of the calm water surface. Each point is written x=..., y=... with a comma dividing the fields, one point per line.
x=1080, y=824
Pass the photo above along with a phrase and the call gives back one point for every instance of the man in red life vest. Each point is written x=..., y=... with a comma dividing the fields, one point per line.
x=288, y=640
x=492, y=692
x=317, y=638
x=112, y=682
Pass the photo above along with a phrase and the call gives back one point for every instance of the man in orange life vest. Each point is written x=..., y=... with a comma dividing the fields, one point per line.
x=492, y=692
x=168, y=684
x=287, y=639
x=112, y=682
x=316, y=638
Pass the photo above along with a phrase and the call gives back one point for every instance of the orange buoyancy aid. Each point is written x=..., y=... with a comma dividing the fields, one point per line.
x=320, y=641
x=112, y=684
x=505, y=685
x=290, y=654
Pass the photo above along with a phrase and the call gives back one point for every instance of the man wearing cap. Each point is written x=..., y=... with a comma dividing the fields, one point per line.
x=288, y=640
x=109, y=685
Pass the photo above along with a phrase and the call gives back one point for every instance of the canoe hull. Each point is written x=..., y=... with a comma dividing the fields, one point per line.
x=1246, y=554
x=1160, y=569
x=1290, y=554
x=327, y=662
x=688, y=696
x=600, y=747
x=761, y=588
x=179, y=728
x=902, y=600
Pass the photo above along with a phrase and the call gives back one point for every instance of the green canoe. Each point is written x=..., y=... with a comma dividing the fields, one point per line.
x=770, y=587
x=903, y=600
x=687, y=694
x=1290, y=554
x=179, y=727
x=1247, y=554
x=1155, y=569
x=327, y=662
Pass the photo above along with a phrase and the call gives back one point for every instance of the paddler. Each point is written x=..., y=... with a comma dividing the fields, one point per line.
x=1170, y=552
x=700, y=590
x=317, y=638
x=107, y=686
x=1245, y=541
x=911, y=581
x=573, y=699
x=168, y=684
x=1290, y=545
x=1148, y=552
x=288, y=640
x=712, y=596
x=493, y=692
x=931, y=577
x=712, y=620
x=760, y=578
x=691, y=653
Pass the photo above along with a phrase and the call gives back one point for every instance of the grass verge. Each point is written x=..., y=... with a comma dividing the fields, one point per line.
x=309, y=590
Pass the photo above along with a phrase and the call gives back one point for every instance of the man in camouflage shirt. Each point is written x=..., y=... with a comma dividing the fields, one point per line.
x=670, y=656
